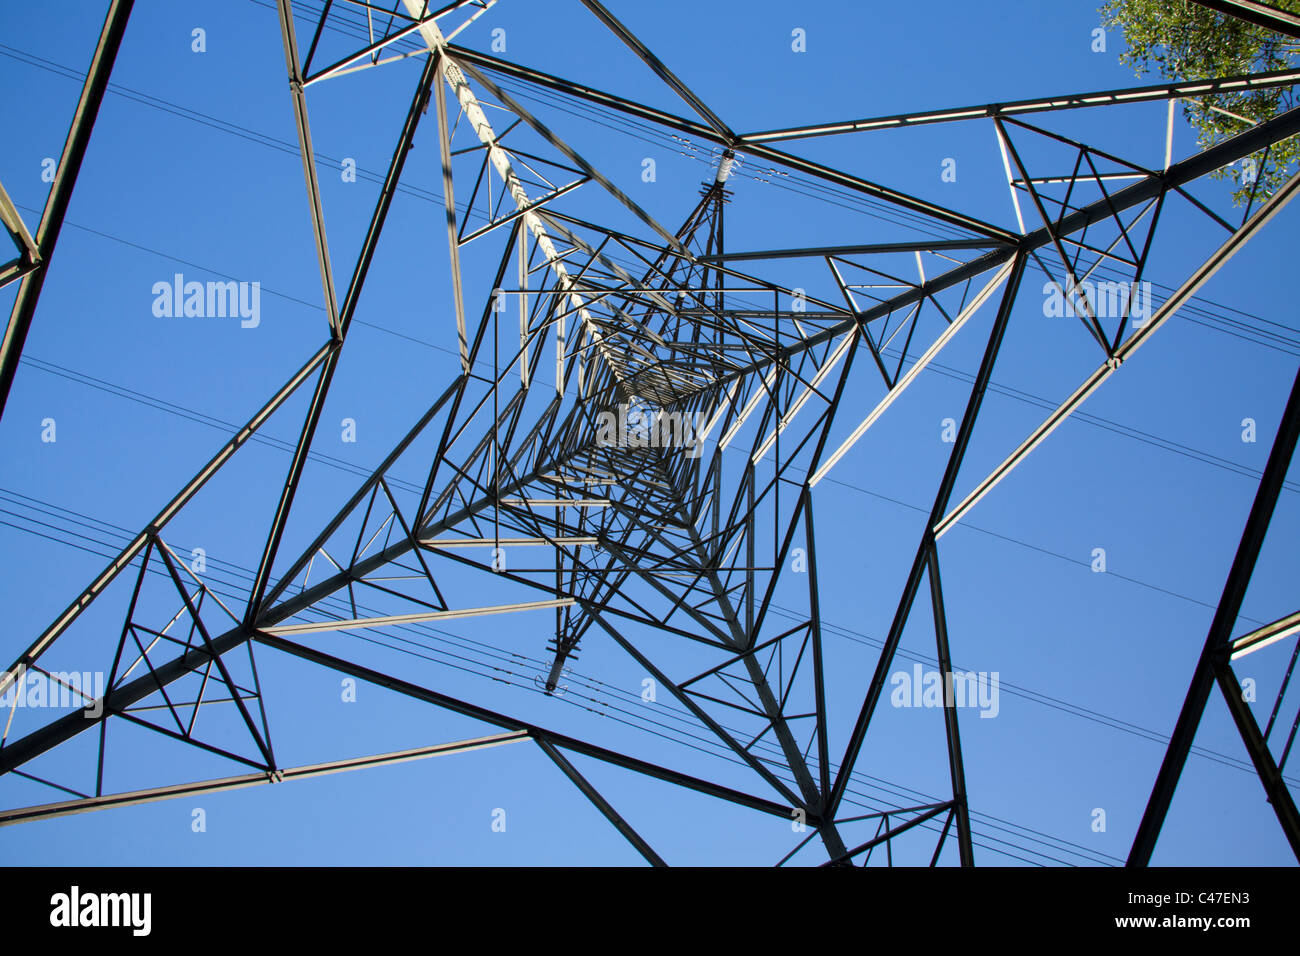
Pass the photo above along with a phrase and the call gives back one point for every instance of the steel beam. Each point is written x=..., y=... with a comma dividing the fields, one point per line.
x=160, y=520
x=537, y=733
x=65, y=180
x=601, y=804
x=920, y=562
x=340, y=320
x=1261, y=14
x=1212, y=86
x=1213, y=663
x=132, y=798
x=956, y=767
x=1258, y=137
x=1170, y=307
x=660, y=70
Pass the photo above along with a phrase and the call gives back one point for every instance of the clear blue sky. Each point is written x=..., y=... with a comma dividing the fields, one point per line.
x=193, y=169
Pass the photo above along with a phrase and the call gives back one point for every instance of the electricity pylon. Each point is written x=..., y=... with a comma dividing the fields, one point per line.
x=631, y=449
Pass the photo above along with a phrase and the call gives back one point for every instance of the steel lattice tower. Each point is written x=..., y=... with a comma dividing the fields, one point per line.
x=602, y=442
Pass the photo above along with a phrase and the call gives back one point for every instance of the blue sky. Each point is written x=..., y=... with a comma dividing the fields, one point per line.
x=193, y=169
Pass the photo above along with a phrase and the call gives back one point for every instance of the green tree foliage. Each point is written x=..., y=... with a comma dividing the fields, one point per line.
x=1184, y=41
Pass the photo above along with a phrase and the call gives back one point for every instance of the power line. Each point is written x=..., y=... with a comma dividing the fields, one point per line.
x=350, y=468
x=222, y=588
x=541, y=667
x=337, y=461
x=622, y=124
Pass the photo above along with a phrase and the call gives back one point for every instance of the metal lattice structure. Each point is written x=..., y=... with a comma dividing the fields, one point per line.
x=614, y=478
